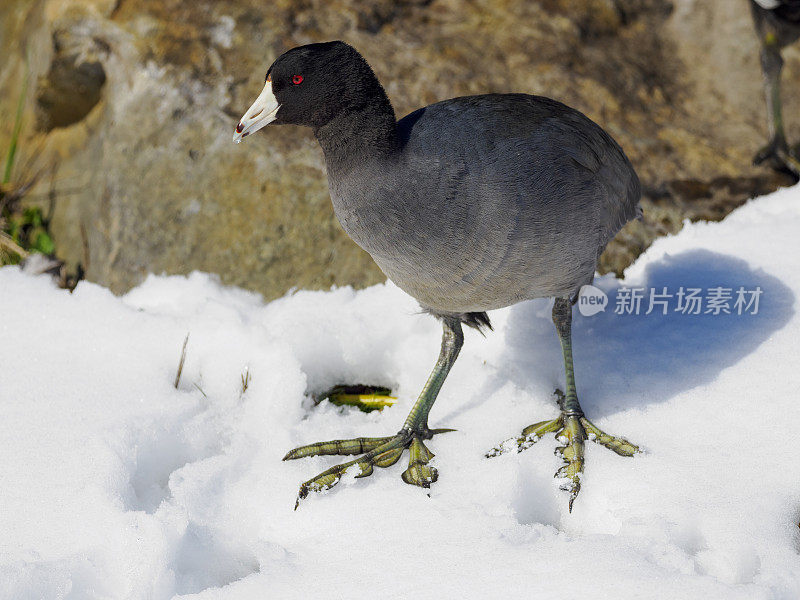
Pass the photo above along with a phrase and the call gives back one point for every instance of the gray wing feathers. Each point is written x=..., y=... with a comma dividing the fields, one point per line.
x=523, y=193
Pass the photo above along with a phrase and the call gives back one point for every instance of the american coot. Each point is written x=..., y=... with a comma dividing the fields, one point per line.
x=469, y=204
x=778, y=25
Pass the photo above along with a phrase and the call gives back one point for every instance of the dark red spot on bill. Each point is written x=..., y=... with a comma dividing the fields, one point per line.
x=239, y=127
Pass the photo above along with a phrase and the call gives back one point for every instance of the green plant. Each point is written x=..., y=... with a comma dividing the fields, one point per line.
x=12, y=147
x=28, y=229
x=23, y=229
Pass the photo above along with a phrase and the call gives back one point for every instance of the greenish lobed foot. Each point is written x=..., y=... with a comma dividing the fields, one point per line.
x=572, y=430
x=778, y=156
x=376, y=452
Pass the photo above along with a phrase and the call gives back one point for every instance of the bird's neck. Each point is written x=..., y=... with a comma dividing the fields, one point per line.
x=359, y=146
x=360, y=135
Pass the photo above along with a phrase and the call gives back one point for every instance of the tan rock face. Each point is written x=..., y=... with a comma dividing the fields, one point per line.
x=133, y=103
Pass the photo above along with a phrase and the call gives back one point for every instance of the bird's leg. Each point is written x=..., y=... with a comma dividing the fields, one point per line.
x=571, y=427
x=777, y=151
x=385, y=451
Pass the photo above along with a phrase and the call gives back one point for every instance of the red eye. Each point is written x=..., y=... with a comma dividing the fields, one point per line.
x=297, y=79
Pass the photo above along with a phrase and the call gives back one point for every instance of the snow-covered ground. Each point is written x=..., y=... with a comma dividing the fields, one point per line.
x=113, y=484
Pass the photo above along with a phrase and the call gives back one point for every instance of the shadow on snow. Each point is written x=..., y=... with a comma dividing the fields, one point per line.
x=622, y=361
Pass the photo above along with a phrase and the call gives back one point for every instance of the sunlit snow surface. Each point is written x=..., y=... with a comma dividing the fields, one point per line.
x=113, y=484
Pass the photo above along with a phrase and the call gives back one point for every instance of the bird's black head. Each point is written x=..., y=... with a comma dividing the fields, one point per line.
x=310, y=85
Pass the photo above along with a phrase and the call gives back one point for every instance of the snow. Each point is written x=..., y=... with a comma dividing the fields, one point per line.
x=113, y=484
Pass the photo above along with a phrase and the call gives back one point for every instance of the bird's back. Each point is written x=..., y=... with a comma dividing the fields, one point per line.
x=520, y=146
x=780, y=13
x=501, y=198
x=788, y=10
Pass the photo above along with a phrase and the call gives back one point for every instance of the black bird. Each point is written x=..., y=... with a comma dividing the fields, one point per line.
x=468, y=205
x=778, y=25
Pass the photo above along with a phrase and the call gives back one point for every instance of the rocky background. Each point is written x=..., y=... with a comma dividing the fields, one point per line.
x=131, y=105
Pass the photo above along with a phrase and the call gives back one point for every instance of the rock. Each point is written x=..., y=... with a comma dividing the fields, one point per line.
x=132, y=104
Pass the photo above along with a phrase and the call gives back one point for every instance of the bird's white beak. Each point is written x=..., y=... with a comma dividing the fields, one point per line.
x=261, y=113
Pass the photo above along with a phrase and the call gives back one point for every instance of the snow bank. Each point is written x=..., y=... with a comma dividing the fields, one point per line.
x=113, y=484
